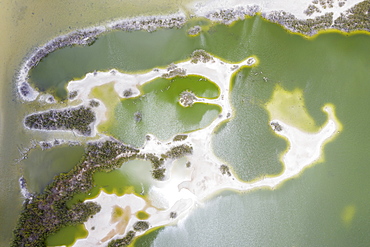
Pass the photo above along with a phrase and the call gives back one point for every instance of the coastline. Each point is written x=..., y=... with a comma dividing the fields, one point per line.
x=288, y=17
x=186, y=188
x=184, y=205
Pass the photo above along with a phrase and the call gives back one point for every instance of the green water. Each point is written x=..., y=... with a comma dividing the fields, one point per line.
x=125, y=51
x=147, y=239
x=161, y=114
x=67, y=236
x=247, y=142
x=332, y=68
x=328, y=205
x=41, y=166
x=306, y=211
x=309, y=210
x=137, y=51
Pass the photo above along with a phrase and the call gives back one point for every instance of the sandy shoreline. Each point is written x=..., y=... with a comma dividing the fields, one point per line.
x=186, y=188
x=216, y=71
x=214, y=10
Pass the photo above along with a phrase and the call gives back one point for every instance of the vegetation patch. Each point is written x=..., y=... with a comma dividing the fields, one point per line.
x=276, y=126
x=201, y=56
x=225, y=170
x=94, y=103
x=45, y=213
x=180, y=138
x=179, y=151
x=173, y=215
x=307, y=27
x=187, y=98
x=159, y=169
x=356, y=18
x=140, y=226
x=123, y=241
x=72, y=95
x=77, y=119
x=173, y=71
x=194, y=30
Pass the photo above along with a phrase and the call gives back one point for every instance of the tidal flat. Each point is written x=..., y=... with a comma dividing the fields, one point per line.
x=276, y=110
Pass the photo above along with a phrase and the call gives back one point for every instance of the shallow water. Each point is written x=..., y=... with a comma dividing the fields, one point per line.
x=307, y=211
x=41, y=166
x=159, y=102
x=327, y=204
x=25, y=25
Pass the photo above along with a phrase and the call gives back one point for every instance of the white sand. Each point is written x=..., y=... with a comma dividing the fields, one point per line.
x=186, y=188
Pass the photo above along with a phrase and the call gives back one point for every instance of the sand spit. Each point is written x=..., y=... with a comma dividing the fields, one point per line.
x=188, y=186
x=126, y=85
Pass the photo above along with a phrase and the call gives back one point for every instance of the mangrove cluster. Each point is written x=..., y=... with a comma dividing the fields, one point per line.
x=180, y=138
x=86, y=37
x=45, y=213
x=200, y=56
x=179, y=151
x=225, y=170
x=77, y=119
x=228, y=16
x=356, y=18
x=173, y=71
x=187, y=98
x=158, y=168
x=194, y=30
x=25, y=89
x=149, y=24
x=125, y=241
x=276, y=126
x=307, y=27
x=140, y=226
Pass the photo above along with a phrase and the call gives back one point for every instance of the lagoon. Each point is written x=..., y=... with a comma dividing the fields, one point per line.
x=327, y=202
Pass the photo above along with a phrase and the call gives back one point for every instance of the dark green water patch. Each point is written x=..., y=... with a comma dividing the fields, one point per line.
x=125, y=51
x=158, y=112
x=247, y=142
x=147, y=239
x=140, y=50
x=41, y=166
x=67, y=236
x=331, y=68
x=306, y=211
